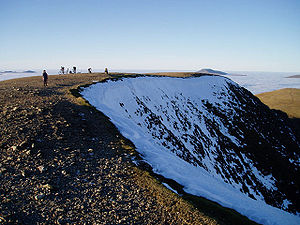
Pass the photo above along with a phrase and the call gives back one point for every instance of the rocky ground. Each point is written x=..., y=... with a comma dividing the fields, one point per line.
x=62, y=162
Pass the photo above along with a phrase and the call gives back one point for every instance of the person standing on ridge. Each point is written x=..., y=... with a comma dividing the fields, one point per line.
x=106, y=71
x=74, y=69
x=45, y=78
x=62, y=70
x=90, y=70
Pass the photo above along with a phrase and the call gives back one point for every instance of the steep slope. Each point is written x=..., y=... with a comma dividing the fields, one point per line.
x=213, y=137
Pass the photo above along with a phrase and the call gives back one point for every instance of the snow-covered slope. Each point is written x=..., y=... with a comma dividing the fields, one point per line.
x=213, y=137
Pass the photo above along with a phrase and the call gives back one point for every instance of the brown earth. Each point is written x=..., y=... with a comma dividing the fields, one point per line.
x=63, y=162
x=286, y=100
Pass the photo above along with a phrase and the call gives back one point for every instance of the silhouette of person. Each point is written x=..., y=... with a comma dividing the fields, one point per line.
x=62, y=69
x=106, y=71
x=74, y=69
x=45, y=78
x=90, y=70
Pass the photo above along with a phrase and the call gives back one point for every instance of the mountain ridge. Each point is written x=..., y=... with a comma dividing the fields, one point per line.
x=63, y=162
x=257, y=185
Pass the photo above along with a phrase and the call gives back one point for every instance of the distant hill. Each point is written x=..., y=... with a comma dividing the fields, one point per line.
x=211, y=71
x=9, y=71
x=12, y=71
x=294, y=76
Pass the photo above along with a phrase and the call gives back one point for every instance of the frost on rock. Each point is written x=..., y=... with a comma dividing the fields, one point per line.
x=210, y=135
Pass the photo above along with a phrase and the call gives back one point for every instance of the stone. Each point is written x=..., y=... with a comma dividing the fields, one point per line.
x=41, y=168
x=2, y=171
x=47, y=186
x=39, y=196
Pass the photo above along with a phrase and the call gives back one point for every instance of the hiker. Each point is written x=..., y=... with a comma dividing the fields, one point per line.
x=62, y=70
x=90, y=70
x=106, y=71
x=74, y=69
x=45, y=78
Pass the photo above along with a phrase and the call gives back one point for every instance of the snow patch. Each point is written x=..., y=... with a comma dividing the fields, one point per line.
x=162, y=115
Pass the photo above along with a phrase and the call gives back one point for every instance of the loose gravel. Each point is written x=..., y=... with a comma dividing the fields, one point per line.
x=62, y=162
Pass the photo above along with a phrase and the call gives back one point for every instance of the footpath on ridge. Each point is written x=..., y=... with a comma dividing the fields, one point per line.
x=63, y=162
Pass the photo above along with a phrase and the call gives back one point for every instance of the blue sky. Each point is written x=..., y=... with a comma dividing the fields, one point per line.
x=258, y=35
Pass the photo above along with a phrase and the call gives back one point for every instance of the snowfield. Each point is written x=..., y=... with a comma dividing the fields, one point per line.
x=172, y=124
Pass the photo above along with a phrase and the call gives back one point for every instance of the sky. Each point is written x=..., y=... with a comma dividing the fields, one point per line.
x=241, y=35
